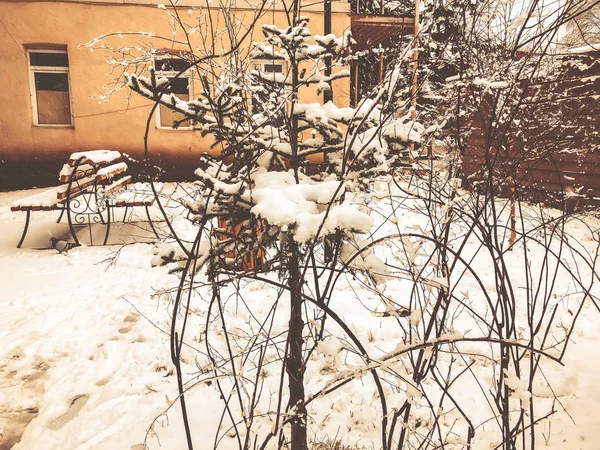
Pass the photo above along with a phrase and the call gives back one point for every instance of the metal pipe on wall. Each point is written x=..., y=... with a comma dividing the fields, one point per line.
x=415, y=80
x=327, y=95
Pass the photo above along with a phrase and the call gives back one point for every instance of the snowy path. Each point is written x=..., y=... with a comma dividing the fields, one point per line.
x=79, y=367
x=72, y=345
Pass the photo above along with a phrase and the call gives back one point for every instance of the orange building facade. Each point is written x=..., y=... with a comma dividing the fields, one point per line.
x=53, y=91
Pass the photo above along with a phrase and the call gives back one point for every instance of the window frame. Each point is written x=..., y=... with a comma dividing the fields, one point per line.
x=33, y=91
x=262, y=62
x=171, y=74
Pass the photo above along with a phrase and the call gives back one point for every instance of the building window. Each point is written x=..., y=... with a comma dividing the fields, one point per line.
x=271, y=94
x=49, y=81
x=271, y=66
x=180, y=86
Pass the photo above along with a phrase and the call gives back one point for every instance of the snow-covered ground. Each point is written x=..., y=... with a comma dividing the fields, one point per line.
x=85, y=359
x=82, y=363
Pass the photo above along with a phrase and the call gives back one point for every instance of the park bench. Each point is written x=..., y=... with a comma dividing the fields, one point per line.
x=93, y=184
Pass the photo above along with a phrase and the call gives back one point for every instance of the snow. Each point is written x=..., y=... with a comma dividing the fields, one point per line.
x=585, y=49
x=483, y=82
x=137, y=192
x=97, y=156
x=518, y=388
x=403, y=131
x=85, y=360
x=111, y=171
x=304, y=207
x=46, y=198
x=219, y=185
x=299, y=35
x=345, y=115
x=67, y=170
x=117, y=184
x=453, y=78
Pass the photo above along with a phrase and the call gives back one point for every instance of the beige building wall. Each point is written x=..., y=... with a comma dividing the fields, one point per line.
x=118, y=123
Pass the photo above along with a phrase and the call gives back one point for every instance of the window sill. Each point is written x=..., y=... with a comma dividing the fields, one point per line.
x=52, y=126
x=175, y=129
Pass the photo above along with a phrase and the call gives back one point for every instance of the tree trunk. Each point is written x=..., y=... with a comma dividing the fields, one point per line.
x=295, y=368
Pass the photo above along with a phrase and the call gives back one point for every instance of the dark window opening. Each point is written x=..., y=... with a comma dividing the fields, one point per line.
x=58, y=82
x=46, y=59
x=273, y=68
x=179, y=86
x=267, y=100
x=171, y=65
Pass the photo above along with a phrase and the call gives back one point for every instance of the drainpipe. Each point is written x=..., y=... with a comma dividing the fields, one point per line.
x=415, y=80
x=381, y=54
x=327, y=95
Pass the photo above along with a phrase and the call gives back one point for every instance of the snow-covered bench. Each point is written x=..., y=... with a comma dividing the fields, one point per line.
x=136, y=194
x=92, y=183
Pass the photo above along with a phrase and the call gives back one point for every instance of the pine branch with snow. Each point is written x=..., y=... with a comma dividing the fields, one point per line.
x=266, y=137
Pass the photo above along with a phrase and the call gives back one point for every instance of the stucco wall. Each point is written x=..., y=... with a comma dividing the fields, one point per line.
x=118, y=123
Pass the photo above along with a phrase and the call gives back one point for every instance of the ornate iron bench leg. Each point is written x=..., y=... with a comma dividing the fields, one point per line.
x=71, y=227
x=108, y=207
x=69, y=199
x=62, y=211
x=125, y=214
x=25, y=229
x=89, y=219
x=151, y=224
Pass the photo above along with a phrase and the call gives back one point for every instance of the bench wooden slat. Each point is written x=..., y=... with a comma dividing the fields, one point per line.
x=55, y=207
x=128, y=204
x=45, y=200
x=110, y=171
x=77, y=188
x=148, y=202
x=117, y=184
x=67, y=171
x=94, y=157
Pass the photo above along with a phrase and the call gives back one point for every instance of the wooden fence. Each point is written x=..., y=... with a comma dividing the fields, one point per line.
x=541, y=136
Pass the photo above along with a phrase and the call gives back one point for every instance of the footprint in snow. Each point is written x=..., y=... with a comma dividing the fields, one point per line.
x=13, y=424
x=130, y=321
x=75, y=406
x=102, y=381
x=19, y=374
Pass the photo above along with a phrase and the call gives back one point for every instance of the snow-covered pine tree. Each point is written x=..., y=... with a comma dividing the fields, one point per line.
x=268, y=142
x=265, y=183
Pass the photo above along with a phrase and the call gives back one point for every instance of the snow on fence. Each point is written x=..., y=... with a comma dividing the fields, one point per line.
x=547, y=141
